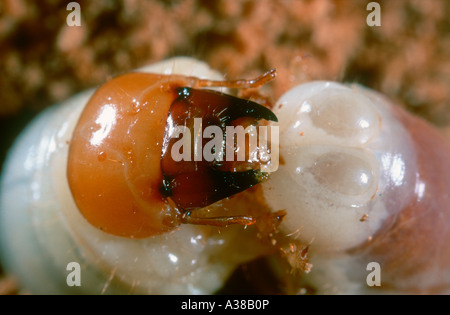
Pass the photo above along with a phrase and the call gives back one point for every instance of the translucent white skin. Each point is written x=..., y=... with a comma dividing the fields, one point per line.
x=349, y=165
x=41, y=229
x=341, y=162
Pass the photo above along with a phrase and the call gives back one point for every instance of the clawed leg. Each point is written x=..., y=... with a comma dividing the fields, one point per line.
x=237, y=84
x=218, y=221
x=273, y=219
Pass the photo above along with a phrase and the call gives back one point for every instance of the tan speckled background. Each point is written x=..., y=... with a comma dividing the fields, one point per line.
x=44, y=61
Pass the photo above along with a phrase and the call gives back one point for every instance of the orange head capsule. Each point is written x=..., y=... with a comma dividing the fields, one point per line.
x=121, y=172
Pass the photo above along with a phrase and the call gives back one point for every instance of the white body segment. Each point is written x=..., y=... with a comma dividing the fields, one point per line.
x=42, y=231
x=343, y=174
